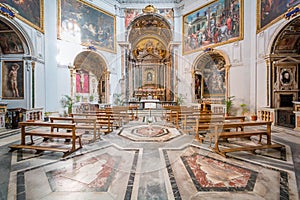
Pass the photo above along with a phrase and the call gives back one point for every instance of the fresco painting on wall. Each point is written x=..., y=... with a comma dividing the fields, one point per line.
x=86, y=24
x=167, y=13
x=12, y=80
x=10, y=43
x=82, y=82
x=31, y=12
x=213, y=24
x=270, y=11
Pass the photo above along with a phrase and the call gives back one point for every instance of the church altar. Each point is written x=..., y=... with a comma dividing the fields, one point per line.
x=150, y=103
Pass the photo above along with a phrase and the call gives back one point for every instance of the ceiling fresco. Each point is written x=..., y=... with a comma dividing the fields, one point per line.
x=288, y=40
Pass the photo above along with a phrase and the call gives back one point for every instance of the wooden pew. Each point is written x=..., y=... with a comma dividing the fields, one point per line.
x=103, y=120
x=220, y=134
x=131, y=108
x=49, y=133
x=80, y=124
x=206, y=122
x=188, y=119
x=121, y=115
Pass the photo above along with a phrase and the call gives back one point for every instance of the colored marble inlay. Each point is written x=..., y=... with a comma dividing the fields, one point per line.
x=92, y=174
x=150, y=131
x=210, y=174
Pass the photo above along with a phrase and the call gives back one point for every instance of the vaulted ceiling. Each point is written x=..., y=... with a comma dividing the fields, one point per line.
x=148, y=1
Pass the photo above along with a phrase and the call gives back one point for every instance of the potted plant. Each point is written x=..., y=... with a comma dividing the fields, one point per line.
x=229, y=104
x=253, y=117
x=46, y=116
x=180, y=100
x=78, y=97
x=91, y=98
x=118, y=99
x=67, y=102
x=244, y=108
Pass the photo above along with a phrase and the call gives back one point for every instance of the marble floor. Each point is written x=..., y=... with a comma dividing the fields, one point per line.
x=143, y=160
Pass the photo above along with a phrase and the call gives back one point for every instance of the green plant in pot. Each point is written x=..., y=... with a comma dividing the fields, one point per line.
x=46, y=116
x=67, y=102
x=253, y=116
x=118, y=99
x=91, y=98
x=244, y=108
x=229, y=104
x=180, y=100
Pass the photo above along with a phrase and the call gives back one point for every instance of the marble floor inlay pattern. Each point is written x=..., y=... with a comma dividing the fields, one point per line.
x=210, y=174
x=150, y=159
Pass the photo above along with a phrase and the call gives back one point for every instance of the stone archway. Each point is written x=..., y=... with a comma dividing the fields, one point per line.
x=16, y=47
x=284, y=68
x=149, y=64
x=90, y=78
x=210, y=77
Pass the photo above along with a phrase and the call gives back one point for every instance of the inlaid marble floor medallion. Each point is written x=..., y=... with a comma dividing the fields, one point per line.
x=216, y=177
x=210, y=174
x=150, y=133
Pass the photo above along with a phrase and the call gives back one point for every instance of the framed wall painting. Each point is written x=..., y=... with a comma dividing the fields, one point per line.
x=12, y=80
x=85, y=24
x=271, y=11
x=216, y=23
x=30, y=12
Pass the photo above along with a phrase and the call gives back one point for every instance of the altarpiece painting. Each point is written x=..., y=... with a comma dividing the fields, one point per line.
x=12, y=80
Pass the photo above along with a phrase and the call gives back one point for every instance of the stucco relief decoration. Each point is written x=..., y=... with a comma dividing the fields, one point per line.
x=213, y=24
x=85, y=24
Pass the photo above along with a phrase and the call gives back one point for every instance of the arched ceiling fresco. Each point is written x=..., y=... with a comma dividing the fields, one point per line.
x=288, y=40
x=149, y=33
x=10, y=42
x=90, y=61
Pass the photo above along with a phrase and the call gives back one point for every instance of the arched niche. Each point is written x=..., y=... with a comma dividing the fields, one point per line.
x=283, y=64
x=90, y=78
x=149, y=62
x=13, y=39
x=210, y=77
x=16, y=47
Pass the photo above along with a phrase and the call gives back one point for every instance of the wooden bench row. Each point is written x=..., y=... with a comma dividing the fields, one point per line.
x=228, y=130
x=51, y=130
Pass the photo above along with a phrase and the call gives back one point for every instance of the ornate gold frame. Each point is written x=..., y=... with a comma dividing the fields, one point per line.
x=91, y=6
x=276, y=19
x=41, y=21
x=241, y=29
